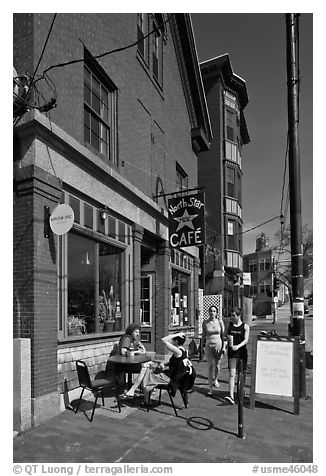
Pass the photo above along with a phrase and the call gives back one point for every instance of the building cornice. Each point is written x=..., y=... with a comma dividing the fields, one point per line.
x=185, y=48
x=220, y=67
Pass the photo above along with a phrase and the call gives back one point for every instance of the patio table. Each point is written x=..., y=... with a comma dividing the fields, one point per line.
x=126, y=362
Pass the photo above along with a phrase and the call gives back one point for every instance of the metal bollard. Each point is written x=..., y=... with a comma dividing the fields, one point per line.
x=240, y=388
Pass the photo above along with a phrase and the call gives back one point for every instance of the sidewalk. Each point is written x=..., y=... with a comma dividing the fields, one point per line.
x=205, y=432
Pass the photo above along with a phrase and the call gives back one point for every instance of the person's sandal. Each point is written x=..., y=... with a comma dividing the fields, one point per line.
x=229, y=400
x=127, y=397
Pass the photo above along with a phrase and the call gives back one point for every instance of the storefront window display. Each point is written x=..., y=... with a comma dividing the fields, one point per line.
x=94, y=286
x=180, y=298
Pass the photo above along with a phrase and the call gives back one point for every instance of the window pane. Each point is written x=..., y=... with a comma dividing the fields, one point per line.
x=110, y=266
x=104, y=105
x=87, y=94
x=112, y=231
x=88, y=216
x=96, y=103
x=75, y=205
x=81, y=285
x=230, y=176
x=100, y=222
x=122, y=231
x=96, y=95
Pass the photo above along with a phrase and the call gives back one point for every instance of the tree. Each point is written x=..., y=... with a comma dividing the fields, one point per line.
x=283, y=255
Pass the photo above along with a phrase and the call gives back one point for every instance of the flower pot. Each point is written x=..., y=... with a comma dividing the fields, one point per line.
x=108, y=326
x=75, y=331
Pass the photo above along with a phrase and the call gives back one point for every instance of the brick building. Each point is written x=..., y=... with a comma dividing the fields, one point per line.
x=260, y=264
x=127, y=127
x=220, y=171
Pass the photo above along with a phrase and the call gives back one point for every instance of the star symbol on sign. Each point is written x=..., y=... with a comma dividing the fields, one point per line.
x=185, y=220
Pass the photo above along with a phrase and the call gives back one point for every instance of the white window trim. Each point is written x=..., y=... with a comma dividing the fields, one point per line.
x=142, y=323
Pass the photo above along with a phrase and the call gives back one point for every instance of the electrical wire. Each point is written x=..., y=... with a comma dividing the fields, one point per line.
x=116, y=50
x=20, y=113
x=43, y=50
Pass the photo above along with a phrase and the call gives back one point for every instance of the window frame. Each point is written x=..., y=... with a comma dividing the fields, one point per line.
x=150, y=300
x=182, y=179
x=124, y=244
x=101, y=127
x=142, y=30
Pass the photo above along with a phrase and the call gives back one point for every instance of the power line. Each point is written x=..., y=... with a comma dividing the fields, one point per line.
x=45, y=43
x=245, y=231
x=116, y=50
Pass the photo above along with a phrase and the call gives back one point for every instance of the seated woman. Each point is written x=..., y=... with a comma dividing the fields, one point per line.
x=131, y=338
x=152, y=375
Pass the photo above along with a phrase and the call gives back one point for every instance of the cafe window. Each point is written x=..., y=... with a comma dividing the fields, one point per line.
x=94, y=291
x=180, y=298
x=94, y=265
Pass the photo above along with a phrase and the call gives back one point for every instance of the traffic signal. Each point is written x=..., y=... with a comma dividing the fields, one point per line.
x=276, y=283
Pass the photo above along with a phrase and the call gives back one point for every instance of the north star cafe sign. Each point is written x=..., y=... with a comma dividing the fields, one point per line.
x=187, y=221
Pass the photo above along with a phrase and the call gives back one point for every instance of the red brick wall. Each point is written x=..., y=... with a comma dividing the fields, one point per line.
x=35, y=274
x=166, y=130
x=163, y=295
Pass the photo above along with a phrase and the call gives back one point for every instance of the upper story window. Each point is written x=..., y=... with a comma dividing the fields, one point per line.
x=230, y=117
x=232, y=206
x=142, y=30
x=230, y=100
x=252, y=266
x=264, y=264
x=99, y=111
x=230, y=227
x=233, y=259
x=232, y=152
x=230, y=182
x=264, y=287
x=182, y=179
x=151, y=47
x=157, y=50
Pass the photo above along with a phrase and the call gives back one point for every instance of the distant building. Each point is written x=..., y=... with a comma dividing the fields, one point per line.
x=260, y=266
x=220, y=172
x=127, y=128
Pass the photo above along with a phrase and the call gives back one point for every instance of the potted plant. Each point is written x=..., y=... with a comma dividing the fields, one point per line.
x=109, y=311
x=76, y=325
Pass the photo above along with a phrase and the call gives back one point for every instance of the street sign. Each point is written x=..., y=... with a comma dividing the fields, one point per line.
x=246, y=277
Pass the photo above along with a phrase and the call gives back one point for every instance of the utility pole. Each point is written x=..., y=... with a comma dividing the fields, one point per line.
x=274, y=291
x=292, y=50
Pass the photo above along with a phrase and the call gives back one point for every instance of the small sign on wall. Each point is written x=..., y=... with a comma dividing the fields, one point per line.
x=62, y=219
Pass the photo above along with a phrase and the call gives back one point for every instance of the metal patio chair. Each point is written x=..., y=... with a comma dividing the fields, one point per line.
x=97, y=386
x=184, y=383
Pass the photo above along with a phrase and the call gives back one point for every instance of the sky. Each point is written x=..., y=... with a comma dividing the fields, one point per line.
x=256, y=44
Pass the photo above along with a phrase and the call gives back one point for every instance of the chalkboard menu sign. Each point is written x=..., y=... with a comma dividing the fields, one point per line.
x=276, y=368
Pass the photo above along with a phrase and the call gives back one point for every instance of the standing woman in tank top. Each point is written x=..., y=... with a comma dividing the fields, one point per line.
x=212, y=339
x=238, y=336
